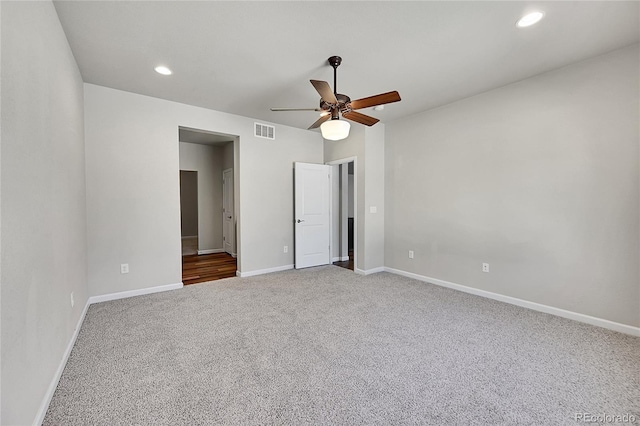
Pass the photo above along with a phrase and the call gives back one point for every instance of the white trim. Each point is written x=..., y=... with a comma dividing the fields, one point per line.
x=210, y=251
x=599, y=322
x=331, y=178
x=264, y=271
x=233, y=235
x=369, y=271
x=344, y=258
x=342, y=161
x=131, y=293
x=44, y=406
x=336, y=259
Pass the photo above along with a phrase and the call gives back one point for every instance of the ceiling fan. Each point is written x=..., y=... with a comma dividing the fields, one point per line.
x=334, y=104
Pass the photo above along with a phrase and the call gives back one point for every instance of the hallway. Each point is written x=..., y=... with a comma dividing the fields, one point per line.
x=207, y=267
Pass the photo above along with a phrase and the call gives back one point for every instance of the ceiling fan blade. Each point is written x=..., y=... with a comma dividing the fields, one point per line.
x=360, y=118
x=319, y=121
x=383, y=98
x=325, y=91
x=296, y=109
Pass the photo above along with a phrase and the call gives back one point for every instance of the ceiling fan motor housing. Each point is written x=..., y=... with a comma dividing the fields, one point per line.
x=344, y=104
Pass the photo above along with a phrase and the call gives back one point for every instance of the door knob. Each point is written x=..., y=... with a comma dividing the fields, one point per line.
x=300, y=220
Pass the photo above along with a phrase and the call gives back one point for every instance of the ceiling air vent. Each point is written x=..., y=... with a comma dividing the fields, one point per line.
x=265, y=131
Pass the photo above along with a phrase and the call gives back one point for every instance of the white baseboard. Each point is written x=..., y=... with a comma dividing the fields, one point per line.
x=211, y=251
x=344, y=258
x=263, y=271
x=131, y=293
x=42, y=411
x=599, y=322
x=611, y=325
x=339, y=259
x=44, y=406
x=369, y=271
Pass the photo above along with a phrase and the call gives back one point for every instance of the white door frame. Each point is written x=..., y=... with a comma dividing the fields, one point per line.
x=229, y=235
x=355, y=203
x=237, y=210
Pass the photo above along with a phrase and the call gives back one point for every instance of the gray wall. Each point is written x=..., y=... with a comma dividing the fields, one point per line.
x=374, y=196
x=189, y=203
x=539, y=179
x=227, y=156
x=133, y=204
x=43, y=222
x=207, y=161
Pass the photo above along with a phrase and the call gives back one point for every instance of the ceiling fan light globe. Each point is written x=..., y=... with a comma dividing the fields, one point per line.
x=335, y=130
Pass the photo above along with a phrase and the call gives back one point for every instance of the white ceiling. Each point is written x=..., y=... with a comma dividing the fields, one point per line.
x=245, y=57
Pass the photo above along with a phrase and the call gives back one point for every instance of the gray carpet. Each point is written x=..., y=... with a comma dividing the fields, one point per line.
x=326, y=346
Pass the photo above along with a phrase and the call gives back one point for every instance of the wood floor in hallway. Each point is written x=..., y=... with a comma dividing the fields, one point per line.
x=347, y=264
x=207, y=267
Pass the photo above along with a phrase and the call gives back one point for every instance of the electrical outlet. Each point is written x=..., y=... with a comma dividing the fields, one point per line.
x=485, y=267
x=72, y=301
x=410, y=254
x=124, y=268
x=286, y=249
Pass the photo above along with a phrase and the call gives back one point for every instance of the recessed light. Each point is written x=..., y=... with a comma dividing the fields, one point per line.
x=161, y=69
x=529, y=19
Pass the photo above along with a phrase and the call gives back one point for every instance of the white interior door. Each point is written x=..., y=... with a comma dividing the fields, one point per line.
x=312, y=215
x=228, y=221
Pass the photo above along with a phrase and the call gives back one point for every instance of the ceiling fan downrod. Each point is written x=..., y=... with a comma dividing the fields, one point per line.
x=335, y=62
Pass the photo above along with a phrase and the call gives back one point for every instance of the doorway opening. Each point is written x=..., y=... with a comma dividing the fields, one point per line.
x=344, y=229
x=207, y=205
